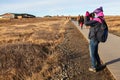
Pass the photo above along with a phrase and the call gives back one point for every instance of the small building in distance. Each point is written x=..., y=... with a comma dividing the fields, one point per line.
x=7, y=15
x=16, y=15
x=47, y=16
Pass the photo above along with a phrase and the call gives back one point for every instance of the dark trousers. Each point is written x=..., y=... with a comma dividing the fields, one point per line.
x=94, y=56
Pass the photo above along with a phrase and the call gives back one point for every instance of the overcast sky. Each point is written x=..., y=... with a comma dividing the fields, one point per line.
x=59, y=7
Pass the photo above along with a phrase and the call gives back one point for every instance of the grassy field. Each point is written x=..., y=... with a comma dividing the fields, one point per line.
x=28, y=47
x=114, y=24
x=30, y=30
x=44, y=49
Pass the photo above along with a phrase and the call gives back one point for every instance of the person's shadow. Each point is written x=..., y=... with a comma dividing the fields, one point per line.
x=107, y=63
x=112, y=61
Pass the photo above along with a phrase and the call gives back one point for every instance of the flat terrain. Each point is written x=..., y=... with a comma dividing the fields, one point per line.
x=114, y=24
x=44, y=49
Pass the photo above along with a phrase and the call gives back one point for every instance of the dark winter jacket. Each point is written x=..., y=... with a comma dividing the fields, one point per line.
x=94, y=24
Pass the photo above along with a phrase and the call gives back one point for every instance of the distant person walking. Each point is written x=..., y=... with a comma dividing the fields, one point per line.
x=78, y=19
x=93, y=23
x=81, y=21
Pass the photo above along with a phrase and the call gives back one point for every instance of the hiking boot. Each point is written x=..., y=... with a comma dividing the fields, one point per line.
x=93, y=69
x=101, y=67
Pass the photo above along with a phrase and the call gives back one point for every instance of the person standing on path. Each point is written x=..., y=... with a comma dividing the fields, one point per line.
x=78, y=19
x=81, y=21
x=93, y=45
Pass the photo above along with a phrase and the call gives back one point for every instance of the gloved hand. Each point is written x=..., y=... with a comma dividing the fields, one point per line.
x=87, y=13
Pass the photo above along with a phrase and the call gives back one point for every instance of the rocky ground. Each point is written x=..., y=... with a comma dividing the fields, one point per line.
x=50, y=51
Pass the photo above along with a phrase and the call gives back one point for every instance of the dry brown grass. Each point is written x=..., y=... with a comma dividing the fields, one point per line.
x=28, y=48
x=35, y=32
x=114, y=24
x=40, y=49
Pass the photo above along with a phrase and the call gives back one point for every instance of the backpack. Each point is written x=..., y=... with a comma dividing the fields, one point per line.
x=102, y=31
